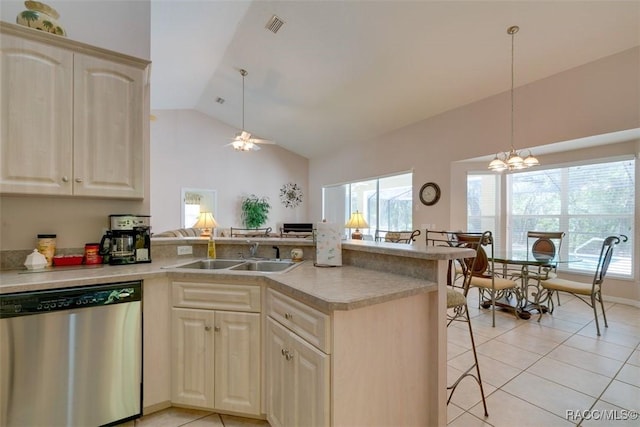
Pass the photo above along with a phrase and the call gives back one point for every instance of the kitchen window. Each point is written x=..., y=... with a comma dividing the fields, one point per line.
x=386, y=202
x=588, y=201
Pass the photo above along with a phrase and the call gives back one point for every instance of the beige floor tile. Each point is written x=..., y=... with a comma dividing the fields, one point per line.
x=629, y=374
x=570, y=376
x=453, y=412
x=467, y=393
x=611, y=335
x=492, y=372
x=635, y=358
x=508, y=354
x=621, y=313
x=210, y=421
x=600, y=347
x=623, y=395
x=585, y=360
x=605, y=414
x=554, y=322
x=546, y=394
x=539, y=330
x=506, y=410
x=231, y=421
x=468, y=420
x=171, y=417
x=455, y=350
x=531, y=342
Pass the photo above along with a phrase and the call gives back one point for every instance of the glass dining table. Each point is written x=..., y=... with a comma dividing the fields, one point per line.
x=529, y=271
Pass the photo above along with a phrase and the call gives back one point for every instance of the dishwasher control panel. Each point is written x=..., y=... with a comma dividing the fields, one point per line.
x=26, y=303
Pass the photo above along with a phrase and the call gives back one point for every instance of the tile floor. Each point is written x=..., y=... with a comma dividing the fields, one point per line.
x=533, y=373
x=551, y=372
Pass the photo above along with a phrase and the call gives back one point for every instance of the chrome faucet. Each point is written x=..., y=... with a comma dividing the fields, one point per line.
x=253, y=249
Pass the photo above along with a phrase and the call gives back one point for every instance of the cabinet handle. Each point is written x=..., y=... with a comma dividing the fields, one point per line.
x=288, y=316
x=216, y=328
x=78, y=179
x=207, y=328
x=65, y=179
x=288, y=356
x=284, y=352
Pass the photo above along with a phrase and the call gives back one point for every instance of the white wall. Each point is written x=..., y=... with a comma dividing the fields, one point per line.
x=188, y=150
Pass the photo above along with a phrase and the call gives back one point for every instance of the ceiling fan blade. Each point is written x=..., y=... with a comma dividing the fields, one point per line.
x=261, y=141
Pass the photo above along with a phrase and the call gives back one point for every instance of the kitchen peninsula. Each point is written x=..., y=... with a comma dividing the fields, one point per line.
x=377, y=325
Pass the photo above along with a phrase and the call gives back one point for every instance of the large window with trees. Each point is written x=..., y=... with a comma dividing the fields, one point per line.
x=386, y=202
x=586, y=201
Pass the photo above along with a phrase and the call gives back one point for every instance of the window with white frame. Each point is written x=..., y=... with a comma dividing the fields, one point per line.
x=386, y=202
x=587, y=201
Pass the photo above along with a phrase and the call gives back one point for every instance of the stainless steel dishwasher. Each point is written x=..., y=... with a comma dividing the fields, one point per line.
x=71, y=357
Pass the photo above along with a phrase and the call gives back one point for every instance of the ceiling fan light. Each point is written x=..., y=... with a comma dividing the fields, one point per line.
x=237, y=145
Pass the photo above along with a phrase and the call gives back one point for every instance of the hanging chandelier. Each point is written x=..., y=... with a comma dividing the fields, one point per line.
x=512, y=160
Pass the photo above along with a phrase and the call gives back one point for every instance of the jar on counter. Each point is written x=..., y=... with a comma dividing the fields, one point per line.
x=47, y=247
x=92, y=254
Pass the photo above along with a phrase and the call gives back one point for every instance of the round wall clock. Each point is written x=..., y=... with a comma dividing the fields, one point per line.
x=430, y=193
x=291, y=195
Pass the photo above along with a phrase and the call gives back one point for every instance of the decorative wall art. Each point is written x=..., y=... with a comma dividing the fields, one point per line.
x=291, y=195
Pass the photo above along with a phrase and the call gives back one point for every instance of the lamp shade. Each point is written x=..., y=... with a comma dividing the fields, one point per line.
x=206, y=222
x=356, y=221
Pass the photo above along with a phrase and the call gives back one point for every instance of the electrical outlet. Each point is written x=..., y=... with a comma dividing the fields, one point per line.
x=185, y=250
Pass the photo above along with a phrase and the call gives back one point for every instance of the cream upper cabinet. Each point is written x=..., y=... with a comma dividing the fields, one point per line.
x=74, y=118
x=37, y=117
x=107, y=132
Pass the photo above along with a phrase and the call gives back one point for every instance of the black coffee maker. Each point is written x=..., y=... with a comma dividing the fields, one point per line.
x=128, y=241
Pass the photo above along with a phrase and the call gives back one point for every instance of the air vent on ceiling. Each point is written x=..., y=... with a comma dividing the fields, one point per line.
x=274, y=24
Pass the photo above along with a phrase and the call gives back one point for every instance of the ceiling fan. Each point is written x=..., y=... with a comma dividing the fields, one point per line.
x=243, y=140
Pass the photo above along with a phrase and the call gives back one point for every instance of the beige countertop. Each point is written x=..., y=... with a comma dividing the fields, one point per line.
x=326, y=288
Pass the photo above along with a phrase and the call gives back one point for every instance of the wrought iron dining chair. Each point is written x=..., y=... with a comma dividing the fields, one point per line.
x=589, y=293
x=484, y=276
x=397, y=236
x=544, y=246
x=457, y=308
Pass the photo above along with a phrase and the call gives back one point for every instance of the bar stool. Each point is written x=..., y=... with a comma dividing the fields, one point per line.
x=457, y=309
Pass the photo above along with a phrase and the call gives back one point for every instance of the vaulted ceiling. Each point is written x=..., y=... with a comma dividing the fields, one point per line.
x=338, y=72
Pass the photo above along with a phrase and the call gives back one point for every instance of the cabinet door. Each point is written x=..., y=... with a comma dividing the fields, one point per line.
x=297, y=380
x=108, y=128
x=310, y=384
x=192, y=357
x=237, y=362
x=36, y=131
x=278, y=391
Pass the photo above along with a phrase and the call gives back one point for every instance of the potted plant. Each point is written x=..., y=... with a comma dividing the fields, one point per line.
x=255, y=211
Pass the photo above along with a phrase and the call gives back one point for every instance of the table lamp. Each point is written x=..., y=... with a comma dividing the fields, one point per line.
x=356, y=221
x=206, y=222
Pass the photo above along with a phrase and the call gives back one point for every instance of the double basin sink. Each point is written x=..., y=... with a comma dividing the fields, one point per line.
x=263, y=266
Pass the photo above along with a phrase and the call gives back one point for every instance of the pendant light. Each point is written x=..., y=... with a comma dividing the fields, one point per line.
x=512, y=160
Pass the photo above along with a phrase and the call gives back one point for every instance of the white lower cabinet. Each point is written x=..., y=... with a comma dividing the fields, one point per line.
x=216, y=353
x=298, y=388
